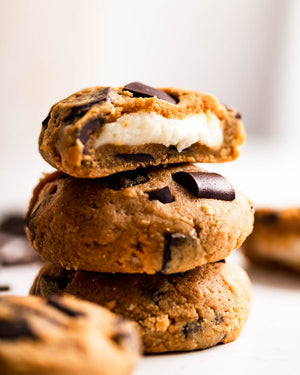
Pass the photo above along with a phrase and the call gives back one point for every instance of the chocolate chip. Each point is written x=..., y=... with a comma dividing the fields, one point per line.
x=175, y=243
x=219, y=319
x=222, y=339
x=206, y=185
x=89, y=128
x=137, y=158
x=126, y=179
x=46, y=121
x=28, y=220
x=4, y=288
x=221, y=261
x=12, y=330
x=163, y=195
x=13, y=225
x=156, y=296
x=267, y=218
x=238, y=115
x=140, y=90
x=85, y=103
x=192, y=327
x=52, y=284
x=56, y=302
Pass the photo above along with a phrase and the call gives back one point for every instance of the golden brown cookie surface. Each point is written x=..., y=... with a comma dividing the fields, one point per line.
x=180, y=312
x=168, y=219
x=101, y=130
x=61, y=336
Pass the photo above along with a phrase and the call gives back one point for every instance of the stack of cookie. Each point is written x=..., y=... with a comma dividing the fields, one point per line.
x=129, y=223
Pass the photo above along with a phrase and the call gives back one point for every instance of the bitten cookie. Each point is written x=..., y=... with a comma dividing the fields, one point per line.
x=101, y=130
x=64, y=336
x=180, y=312
x=276, y=238
x=167, y=219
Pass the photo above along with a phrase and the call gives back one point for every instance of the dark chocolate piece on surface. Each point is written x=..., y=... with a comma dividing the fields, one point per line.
x=126, y=179
x=137, y=158
x=13, y=330
x=140, y=90
x=89, y=128
x=206, y=185
x=164, y=195
x=192, y=327
x=175, y=242
x=238, y=115
x=221, y=261
x=56, y=302
x=13, y=225
x=86, y=102
x=4, y=288
x=46, y=121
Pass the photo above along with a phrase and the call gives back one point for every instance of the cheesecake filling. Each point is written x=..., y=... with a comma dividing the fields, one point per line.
x=142, y=127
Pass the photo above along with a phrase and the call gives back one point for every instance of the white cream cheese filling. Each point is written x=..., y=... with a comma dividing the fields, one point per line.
x=142, y=127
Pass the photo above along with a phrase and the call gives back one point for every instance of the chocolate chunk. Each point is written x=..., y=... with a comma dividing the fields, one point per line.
x=267, y=218
x=4, y=288
x=221, y=261
x=238, y=115
x=176, y=243
x=126, y=179
x=46, y=121
x=156, y=296
x=137, y=158
x=89, y=128
x=140, y=90
x=163, y=195
x=192, y=327
x=28, y=220
x=219, y=319
x=56, y=302
x=85, y=103
x=206, y=185
x=12, y=330
x=13, y=225
x=52, y=284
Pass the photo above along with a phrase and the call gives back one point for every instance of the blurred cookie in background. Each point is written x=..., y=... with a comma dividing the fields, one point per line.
x=14, y=246
x=276, y=238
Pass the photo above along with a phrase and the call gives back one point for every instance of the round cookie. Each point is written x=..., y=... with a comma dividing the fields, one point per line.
x=138, y=221
x=276, y=238
x=180, y=312
x=101, y=130
x=64, y=336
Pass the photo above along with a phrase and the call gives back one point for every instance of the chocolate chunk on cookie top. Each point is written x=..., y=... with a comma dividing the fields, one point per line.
x=100, y=131
x=64, y=335
x=206, y=185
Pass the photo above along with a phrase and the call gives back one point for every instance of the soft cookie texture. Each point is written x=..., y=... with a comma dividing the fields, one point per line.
x=180, y=312
x=101, y=130
x=276, y=238
x=64, y=336
x=167, y=219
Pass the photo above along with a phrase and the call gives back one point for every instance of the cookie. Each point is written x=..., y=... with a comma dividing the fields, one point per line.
x=167, y=219
x=100, y=131
x=64, y=336
x=180, y=312
x=276, y=238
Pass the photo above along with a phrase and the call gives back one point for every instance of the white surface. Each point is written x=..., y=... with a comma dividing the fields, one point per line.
x=269, y=343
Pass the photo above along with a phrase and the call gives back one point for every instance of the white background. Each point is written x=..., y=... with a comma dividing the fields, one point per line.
x=247, y=53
